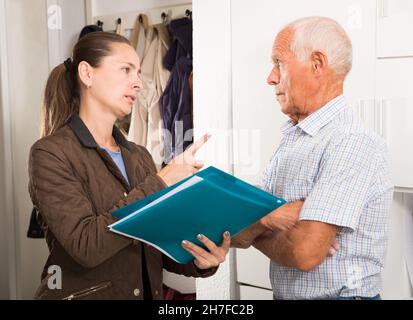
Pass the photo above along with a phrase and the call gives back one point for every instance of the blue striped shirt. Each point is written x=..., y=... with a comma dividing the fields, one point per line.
x=341, y=170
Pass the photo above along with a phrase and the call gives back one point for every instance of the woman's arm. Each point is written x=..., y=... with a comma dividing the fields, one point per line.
x=70, y=215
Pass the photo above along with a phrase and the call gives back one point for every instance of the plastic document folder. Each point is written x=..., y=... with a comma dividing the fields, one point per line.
x=209, y=202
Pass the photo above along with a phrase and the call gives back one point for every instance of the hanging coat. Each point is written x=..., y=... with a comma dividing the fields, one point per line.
x=176, y=102
x=146, y=124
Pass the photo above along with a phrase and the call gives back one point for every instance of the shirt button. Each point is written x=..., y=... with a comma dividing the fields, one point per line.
x=125, y=194
x=136, y=292
x=156, y=292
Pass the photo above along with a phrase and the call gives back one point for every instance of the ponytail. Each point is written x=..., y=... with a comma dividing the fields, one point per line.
x=60, y=100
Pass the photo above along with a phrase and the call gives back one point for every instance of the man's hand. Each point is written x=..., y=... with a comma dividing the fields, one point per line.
x=184, y=165
x=283, y=218
x=334, y=248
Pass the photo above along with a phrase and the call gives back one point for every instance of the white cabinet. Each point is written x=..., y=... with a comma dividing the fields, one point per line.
x=395, y=97
x=252, y=293
x=253, y=268
x=394, y=28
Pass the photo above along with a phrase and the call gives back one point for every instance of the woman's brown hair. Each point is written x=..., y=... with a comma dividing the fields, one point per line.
x=62, y=93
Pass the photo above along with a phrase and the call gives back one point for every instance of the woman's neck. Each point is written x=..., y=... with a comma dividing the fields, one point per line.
x=100, y=125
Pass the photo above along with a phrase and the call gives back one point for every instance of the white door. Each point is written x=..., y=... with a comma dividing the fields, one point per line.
x=394, y=28
x=253, y=268
x=395, y=94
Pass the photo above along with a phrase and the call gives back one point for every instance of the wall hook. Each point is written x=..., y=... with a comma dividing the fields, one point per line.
x=188, y=13
x=164, y=16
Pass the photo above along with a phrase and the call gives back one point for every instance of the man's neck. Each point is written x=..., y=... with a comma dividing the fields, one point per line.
x=324, y=96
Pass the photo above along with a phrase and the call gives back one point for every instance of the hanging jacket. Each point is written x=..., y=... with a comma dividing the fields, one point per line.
x=176, y=105
x=146, y=123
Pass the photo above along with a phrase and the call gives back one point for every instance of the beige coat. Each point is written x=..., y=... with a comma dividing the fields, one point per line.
x=146, y=121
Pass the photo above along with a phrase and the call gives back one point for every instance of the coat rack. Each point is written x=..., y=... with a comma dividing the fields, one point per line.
x=155, y=16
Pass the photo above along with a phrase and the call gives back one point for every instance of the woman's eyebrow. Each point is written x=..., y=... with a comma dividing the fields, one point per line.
x=130, y=64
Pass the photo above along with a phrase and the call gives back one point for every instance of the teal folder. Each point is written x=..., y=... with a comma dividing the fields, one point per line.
x=209, y=202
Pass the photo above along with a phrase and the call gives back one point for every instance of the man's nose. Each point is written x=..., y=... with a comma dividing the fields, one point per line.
x=274, y=77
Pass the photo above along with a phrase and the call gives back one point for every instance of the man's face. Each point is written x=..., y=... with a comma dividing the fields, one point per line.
x=293, y=79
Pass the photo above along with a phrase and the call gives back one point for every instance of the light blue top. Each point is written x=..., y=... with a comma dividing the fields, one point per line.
x=341, y=170
x=118, y=159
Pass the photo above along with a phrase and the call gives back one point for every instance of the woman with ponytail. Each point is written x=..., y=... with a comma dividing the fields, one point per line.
x=83, y=169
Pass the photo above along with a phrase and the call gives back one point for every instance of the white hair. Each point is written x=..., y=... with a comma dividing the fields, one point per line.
x=325, y=35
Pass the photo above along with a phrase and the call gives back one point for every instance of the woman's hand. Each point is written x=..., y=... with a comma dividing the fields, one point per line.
x=184, y=165
x=211, y=259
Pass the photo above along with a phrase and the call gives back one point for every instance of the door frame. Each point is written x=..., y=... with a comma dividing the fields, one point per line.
x=8, y=208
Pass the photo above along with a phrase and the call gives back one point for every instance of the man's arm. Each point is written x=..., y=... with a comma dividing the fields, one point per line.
x=303, y=247
x=245, y=238
x=283, y=218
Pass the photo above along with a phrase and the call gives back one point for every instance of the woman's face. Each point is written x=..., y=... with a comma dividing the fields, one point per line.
x=116, y=81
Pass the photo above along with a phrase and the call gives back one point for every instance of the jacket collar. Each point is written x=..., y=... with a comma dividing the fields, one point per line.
x=86, y=138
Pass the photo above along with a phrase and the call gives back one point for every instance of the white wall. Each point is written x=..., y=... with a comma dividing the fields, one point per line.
x=6, y=220
x=213, y=112
x=27, y=64
x=4, y=251
x=251, y=106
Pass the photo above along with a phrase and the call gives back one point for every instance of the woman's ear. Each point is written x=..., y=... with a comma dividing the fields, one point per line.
x=85, y=71
x=319, y=62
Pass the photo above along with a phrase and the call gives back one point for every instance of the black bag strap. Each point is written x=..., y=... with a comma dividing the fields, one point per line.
x=34, y=231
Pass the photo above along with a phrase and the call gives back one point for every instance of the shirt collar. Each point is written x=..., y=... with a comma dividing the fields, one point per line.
x=315, y=121
x=86, y=138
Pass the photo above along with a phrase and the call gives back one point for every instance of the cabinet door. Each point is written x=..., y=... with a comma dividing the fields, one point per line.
x=394, y=28
x=395, y=93
x=256, y=113
x=253, y=268
x=253, y=293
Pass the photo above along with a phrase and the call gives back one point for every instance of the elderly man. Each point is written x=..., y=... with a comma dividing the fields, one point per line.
x=331, y=161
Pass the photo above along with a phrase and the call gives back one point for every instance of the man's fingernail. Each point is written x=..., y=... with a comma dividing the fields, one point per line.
x=200, y=236
x=184, y=242
x=226, y=233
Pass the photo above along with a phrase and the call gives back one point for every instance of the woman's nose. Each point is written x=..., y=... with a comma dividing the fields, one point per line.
x=137, y=85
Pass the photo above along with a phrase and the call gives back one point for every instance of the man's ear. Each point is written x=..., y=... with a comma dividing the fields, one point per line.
x=319, y=62
x=85, y=71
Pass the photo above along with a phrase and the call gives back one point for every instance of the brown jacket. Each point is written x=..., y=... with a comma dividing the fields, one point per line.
x=75, y=185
